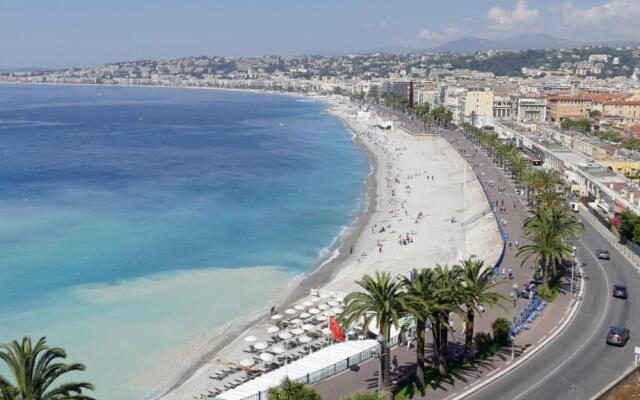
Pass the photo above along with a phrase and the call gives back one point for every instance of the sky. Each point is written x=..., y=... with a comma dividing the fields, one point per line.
x=65, y=33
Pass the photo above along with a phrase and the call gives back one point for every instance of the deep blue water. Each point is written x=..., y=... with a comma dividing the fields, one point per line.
x=104, y=185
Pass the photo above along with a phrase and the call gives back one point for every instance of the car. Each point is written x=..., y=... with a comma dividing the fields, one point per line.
x=618, y=336
x=620, y=291
x=602, y=254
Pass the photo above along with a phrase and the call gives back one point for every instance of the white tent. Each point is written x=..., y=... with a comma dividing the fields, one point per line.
x=314, y=362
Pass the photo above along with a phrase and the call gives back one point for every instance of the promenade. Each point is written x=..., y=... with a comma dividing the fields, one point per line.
x=499, y=188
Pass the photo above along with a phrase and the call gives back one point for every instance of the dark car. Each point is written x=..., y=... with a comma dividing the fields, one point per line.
x=618, y=336
x=602, y=254
x=620, y=291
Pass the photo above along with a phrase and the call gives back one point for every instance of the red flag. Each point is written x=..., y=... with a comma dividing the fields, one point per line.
x=335, y=328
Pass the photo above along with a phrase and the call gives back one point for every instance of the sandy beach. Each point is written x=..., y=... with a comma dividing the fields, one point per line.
x=425, y=207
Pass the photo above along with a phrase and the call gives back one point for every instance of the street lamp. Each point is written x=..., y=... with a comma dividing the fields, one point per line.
x=574, y=261
x=382, y=344
x=513, y=337
x=515, y=294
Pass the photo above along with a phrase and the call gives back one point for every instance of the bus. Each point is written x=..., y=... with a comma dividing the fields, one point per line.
x=535, y=160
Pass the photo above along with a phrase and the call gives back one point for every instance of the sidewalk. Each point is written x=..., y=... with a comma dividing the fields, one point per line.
x=365, y=377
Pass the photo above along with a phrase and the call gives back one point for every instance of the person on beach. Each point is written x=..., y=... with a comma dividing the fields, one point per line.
x=273, y=310
x=510, y=273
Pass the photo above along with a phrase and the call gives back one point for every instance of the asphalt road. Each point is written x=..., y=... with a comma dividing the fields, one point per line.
x=578, y=363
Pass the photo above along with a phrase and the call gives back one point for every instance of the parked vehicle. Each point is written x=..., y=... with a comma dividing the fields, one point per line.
x=602, y=254
x=620, y=291
x=618, y=336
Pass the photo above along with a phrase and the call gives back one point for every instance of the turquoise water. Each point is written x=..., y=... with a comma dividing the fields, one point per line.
x=134, y=221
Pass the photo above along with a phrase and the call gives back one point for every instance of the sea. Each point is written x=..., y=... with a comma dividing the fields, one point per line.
x=136, y=221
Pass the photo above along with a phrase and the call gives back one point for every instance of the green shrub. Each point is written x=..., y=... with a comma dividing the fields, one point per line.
x=290, y=390
x=482, y=341
x=501, y=331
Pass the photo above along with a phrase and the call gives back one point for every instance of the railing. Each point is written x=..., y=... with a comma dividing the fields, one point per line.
x=613, y=239
x=333, y=369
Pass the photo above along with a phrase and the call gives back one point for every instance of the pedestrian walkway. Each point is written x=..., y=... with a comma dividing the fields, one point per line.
x=511, y=211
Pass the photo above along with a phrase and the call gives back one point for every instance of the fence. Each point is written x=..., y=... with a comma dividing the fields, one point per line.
x=334, y=369
x=607, y=234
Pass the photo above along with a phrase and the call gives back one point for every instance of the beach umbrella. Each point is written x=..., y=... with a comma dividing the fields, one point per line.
x=296, y=321
x=304, y=339
x=285, y=335
x=260, y=345
x=326, y=331
x=314, y=311
x=276, y=317
x=334, y=303
x=324, y=306
x=327, y=313
x=315, y=299
x=277, y=350
x=337, y=310
x=297, y=331
x=290, y=311
x=307, y=303
x=324, y=295
x=300, y=307
x=250, y=339
x=305, y=315
x=267, y=357
x=308, y=327
x=272, y=329
x=247, y=362
x=320, y=318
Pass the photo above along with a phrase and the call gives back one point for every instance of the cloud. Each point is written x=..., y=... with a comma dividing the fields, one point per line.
x=504, y=19
x=429, y=35
x=622, y=9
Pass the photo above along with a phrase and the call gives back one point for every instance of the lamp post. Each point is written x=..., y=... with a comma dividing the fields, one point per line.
x=574, y=261
x=513, y=337
x=382, y=344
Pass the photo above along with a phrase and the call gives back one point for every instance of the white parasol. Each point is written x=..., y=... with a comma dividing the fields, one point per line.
x=305, y=315
x=324, y=306
x=308, y=327
x=326, y=331
x=334, y=303
x=260, y=345
x=290, y=311
x=307, y=303
x=272, y=329
x=267, y=357
x=297, y=331
x=277, y=350
x=314, y=311
x=276, y=317
x=304, y=339
x=300, y=307
x=247, y=362
x=250, y=339
x=285, y=335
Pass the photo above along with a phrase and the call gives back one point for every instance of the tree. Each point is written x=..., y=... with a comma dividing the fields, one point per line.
x=448, y=295
x=291, y=390
x=501, y=331
x=381, y=297
x=419, y=302
x=35, y=369
x=549, y=229
x=477, y=290
x=518, y=166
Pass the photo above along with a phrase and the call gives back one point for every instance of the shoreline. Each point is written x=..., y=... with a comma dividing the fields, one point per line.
x=319, y=275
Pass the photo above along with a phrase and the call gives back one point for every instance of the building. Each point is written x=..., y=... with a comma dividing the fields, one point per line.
x=478, y=106
x=429, y=94
x=396, y=87
x=529, y=107
x=561, y=107
x=454, y=102
x=629, y=111
x=501, y=107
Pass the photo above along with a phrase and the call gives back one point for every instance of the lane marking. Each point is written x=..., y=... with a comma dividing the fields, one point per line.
x=541, y=339
x=579, y=349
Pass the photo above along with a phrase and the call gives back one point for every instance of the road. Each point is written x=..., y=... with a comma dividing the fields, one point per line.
x=578, y=363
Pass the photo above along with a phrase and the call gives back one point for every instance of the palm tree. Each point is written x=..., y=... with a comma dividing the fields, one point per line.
x=419, y=302
x=549, y=229
x=518, y=166
x=35, y=368
x=477, y=290
x=381, y=297
x=447, y=295
x=292, y=390
x=549, y=197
